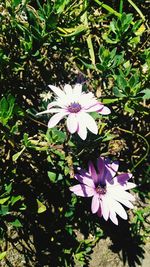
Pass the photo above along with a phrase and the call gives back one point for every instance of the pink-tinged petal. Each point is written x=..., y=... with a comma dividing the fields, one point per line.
x=104, y=111
x=101, y=169
x=89, y=122
x=113, y=217
x=99, y=213
x=82, y=131
x=85, y=180
x=57, y=91
x=83, y=172
x=48, y=111
x=82, y=190
x=55, y=119
x=105, y=207
x=117, y=207
x=95, y=203
x=96, y=107
x=72, y=123
x=93, y=173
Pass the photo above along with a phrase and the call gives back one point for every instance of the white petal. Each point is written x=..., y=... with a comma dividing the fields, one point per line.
x=117, y=207
x=57, y=91
x=105, y=207
x=77, y=91
x=113, y=217
x=68, y=89
x=88, y=122
x=82, y=131
x=51, y=110
x=95, y=203
x=55, y=119
x=72, y=123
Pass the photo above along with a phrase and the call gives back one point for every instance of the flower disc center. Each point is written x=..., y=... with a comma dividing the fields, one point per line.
x=74, y=107
x=101, y=190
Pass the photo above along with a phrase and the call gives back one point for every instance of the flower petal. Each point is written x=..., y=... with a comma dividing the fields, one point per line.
x=117, y=207
x=72, y=123
x=55, y=119
x=82, y=190
x=123, y=178
x=82, y=131
x=77, y=91
x=51, y=110
x=113, y=217
x=85, y=180
x=95, y=203
x=101, y=169
x=93, y=173
x=96, y=107
x=105, y=206
x=99, y=212
x=57, y=91
x=68, y=89
x=88, y=121
x=104, y=111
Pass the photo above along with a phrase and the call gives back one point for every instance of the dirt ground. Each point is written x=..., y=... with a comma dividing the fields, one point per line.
x=102, y=256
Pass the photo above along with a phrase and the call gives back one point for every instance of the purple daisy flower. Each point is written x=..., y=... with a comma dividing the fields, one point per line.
x=108, y=191
x=76, y=105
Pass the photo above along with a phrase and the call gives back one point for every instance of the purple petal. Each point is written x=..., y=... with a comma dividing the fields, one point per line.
x=85, y=180
x=112, y=167
x=101, y=169
x=55, y=119
x=99, y=212
x=93, y=173
x=95, y=203
x=82, y=190
x=123, y=178
x=72, y=124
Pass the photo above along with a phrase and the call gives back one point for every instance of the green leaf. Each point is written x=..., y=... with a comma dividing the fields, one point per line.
x=3, y=255
x=41, y=207
x=146, y=93
x=17, y=223
x=3, y=200
x=18, y=154
x=68, y=32
x=52, y=176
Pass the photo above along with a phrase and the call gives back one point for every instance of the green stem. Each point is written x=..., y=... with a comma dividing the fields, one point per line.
x=121, y=7
x=108, y=8
x=136, y=8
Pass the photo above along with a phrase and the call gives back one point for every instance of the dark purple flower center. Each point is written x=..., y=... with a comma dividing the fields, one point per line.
x=74, y=107
x=101, y=190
